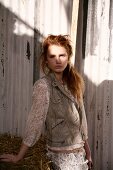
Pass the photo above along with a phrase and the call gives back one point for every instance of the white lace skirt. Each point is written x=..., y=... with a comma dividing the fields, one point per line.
x=68, y=161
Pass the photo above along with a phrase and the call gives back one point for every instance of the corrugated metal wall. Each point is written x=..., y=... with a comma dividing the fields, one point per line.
x=97, y=68
x=16, y=63
x=23, y=24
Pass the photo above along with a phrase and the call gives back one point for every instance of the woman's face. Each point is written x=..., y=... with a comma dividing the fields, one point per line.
x=57, y=58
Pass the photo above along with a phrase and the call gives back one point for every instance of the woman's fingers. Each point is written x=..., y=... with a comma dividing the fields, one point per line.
x=90, y=165
x=8, y=158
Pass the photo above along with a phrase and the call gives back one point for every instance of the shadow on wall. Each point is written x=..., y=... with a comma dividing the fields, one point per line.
x=101, y=123
x=99, y=109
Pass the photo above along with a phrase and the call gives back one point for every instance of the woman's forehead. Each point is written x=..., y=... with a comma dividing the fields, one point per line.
x=54, y=49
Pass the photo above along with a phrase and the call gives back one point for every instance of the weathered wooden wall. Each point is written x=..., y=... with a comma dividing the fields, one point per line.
x=97, y=67
x=23, y=25
x=16, y=63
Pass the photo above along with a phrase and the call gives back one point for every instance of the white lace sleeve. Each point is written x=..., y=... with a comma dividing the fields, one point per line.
x=37, y=115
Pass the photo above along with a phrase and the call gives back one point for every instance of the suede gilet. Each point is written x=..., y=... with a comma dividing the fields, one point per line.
x=63, y=121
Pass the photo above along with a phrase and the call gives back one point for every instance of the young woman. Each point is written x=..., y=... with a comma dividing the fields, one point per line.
x=57, y=110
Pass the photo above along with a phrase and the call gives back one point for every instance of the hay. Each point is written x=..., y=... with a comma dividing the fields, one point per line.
x=35, y=159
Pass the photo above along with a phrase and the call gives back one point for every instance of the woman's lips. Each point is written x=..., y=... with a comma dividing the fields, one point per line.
x=58, y=66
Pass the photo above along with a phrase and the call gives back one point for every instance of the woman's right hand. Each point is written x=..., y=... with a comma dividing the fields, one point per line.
x=9, y=158
x=15, y=158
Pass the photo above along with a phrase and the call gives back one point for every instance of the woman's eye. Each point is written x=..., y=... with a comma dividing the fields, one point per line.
x=62, y=55
x=51, y=56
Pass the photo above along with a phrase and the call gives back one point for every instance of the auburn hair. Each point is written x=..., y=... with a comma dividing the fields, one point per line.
x=71, y=76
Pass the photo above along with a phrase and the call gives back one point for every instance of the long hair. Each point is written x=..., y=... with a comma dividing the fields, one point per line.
x=71, y=76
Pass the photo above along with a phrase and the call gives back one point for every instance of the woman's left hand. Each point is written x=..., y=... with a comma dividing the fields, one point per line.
x=88, y=155
x=90, y=164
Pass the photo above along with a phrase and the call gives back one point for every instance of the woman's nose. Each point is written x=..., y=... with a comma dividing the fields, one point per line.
x=58, y=59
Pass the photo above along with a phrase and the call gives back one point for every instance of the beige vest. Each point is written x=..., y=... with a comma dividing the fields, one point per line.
x=63, y=125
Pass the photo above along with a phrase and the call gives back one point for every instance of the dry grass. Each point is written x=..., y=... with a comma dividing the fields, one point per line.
x=35, y=158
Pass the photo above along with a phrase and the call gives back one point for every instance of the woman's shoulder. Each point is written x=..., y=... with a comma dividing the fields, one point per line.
x=42, y=82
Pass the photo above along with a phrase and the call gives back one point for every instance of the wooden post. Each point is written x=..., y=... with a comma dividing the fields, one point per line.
x=74, y=27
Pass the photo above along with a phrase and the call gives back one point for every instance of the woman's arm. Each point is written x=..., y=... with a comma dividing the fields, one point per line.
x=35, y=121
x=15, y=158
x=88, y=154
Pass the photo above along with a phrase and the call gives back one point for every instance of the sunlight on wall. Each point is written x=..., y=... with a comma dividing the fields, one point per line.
x=49, y=17
x=97, y=69
x=24, y=15
x=54, y=17
x=98, y=64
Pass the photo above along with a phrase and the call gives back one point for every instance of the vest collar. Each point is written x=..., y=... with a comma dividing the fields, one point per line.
x=56, y=83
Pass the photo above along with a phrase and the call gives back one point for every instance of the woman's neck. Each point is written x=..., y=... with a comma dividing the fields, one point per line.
x=59, y=77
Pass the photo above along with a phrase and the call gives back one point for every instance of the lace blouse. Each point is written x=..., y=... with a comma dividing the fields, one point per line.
x=37, y=115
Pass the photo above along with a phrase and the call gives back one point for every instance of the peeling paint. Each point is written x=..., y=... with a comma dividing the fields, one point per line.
x=98, y=116
x=2, y=62
x=28, y=53
x=97, y=145
x=2, y=58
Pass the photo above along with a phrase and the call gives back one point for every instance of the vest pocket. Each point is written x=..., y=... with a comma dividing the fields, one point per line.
x=57, y=122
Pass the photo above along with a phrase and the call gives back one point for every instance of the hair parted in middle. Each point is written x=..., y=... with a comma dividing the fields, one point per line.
x=71, y=76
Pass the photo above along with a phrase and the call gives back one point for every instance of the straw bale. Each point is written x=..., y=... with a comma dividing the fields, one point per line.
x=35, y=159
